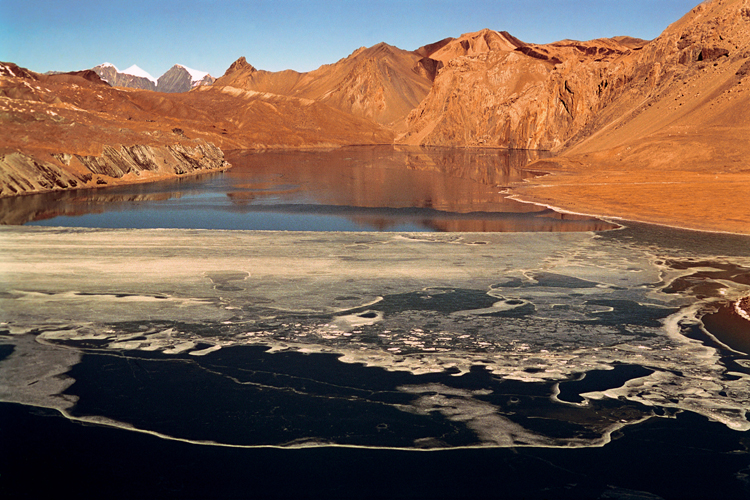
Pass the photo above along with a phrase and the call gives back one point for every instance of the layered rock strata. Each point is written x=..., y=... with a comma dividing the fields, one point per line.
x=494, y=90
x=24, y=174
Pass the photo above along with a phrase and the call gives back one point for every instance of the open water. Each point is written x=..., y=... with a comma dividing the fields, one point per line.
x=378, y=188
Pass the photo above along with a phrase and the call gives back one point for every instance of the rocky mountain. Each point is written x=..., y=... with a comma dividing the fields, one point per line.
x=669, y=140
x=494, y=90
x=182, y=79
x=177, y=79
x=133, y=77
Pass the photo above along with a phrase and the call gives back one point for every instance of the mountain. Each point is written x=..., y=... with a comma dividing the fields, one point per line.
x=380, y=83
x=74, y=130
x=668, y=142
x=495, y=90
x=182, y=79
x=133, y=77
x=177, y=79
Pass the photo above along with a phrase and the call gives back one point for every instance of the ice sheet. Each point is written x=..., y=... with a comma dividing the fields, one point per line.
x=534, y=309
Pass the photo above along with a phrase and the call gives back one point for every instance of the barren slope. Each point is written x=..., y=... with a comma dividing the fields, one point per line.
x=73, y=130
x=674, y=146
x=380, y=83
x=495, y=90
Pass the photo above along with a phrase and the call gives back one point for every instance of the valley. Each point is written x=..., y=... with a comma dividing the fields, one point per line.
x=654, y=131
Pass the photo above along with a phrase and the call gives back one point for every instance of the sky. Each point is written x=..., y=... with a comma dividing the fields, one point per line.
x=208, y=35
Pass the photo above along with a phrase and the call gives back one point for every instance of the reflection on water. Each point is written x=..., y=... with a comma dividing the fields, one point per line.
x=379, y=188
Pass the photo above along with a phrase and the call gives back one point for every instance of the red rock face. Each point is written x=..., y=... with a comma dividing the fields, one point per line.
x=509, y=94
x=494, y=90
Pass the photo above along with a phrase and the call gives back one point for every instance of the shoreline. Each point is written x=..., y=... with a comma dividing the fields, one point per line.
x=686, y=199
x=615, y=219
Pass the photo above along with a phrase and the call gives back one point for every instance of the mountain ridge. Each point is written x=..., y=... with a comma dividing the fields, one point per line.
x=178, y=78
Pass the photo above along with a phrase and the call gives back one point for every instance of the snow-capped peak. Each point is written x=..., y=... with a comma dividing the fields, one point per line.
x=195, y=75
x=136, y=71
x=109, y=65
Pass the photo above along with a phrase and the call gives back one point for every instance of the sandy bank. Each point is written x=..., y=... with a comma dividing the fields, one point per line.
x=703, y=201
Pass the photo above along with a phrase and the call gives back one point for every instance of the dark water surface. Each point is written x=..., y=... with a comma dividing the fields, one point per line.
x=380, y=188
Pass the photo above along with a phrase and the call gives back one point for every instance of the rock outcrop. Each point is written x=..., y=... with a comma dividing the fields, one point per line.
x=494, y=90
x=24, y=174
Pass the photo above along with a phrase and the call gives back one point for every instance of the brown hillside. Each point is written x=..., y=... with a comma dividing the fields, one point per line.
x=380, y=83
x=495, y=90
x=66, y=131
x=673, y=143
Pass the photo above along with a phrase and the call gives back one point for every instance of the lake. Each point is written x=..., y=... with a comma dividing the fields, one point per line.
x=558, y=360
x=379, y=188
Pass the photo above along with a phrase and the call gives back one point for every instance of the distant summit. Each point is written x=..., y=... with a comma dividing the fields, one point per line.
x=177, y=79
x=181, y=79
x=133, y=77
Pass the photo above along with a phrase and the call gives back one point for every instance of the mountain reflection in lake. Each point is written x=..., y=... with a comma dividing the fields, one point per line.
x=381, y=188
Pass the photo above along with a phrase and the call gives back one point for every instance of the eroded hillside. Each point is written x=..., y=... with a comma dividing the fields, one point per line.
x=673, y=144
x=69, y=131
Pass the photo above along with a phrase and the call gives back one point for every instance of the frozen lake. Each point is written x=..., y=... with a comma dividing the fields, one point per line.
x=564, y=364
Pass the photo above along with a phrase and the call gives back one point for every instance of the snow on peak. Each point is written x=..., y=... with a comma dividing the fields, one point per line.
x=109, y=65
x=136, y=71
x=195, y=75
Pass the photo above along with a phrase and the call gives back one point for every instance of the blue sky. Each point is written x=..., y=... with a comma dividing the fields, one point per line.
x=274, y=35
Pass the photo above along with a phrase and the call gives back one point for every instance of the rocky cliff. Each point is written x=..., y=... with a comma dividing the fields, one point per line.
x=21, y=173
x=494, y=90
x=669, y=141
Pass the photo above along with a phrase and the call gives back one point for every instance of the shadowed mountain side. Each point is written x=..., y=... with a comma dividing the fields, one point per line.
x=380, y=83
x=181, y=79
x=112, y=76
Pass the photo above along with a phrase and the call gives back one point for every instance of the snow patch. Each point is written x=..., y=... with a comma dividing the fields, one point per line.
x=195, y=75
x=7, y=68
x=136, y=71
x=109, y=65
